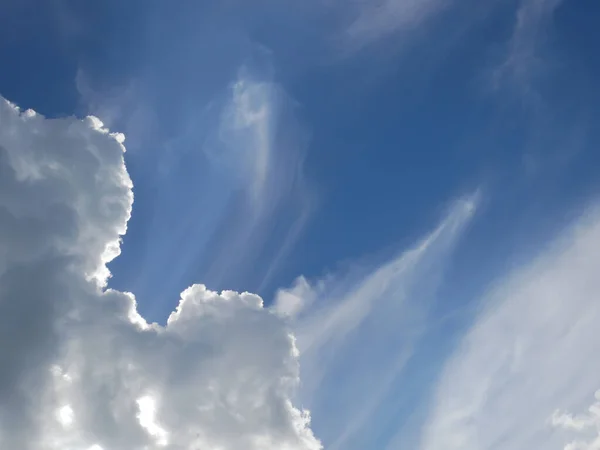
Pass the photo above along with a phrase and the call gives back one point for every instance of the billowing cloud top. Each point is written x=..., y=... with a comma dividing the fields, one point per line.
x=80, y=369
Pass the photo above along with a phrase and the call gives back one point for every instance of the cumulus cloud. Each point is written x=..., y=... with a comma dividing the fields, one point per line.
x=357, y=332
x=527, y=354
x=81, y=369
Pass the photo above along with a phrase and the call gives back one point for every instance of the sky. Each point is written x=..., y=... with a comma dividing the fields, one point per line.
x=271, y=225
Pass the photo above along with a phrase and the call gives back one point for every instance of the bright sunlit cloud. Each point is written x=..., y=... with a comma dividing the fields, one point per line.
x=81, y=368
x=147, y=417
x=65, y=415
x=400, y=183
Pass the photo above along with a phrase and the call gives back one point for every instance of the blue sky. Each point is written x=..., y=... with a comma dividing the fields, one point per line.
x=392, y=176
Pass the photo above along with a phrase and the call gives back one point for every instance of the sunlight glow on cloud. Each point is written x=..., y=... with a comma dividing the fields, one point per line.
x=147, y=417
x=83, y=370
x=65, y=415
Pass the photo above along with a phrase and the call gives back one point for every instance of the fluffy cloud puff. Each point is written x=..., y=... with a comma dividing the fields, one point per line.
x=81, y=370
x=587, y=425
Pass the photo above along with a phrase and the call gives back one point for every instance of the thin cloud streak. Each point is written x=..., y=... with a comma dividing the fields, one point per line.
x=524, y=59
x=263, y=144
x=232, y=172
x=527, y=354
x=337, y=320
x=383, y=18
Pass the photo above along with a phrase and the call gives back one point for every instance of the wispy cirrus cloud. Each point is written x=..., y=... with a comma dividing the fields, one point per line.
x=229, y=181
x=526, y=56
x=384, y=18
x=527, y=354
x=261, y=144
x=356, y=333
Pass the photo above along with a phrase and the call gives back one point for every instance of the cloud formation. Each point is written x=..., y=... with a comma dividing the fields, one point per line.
x=586, y=424
x=356, y=333
x=524, y=60
x=383, y=18
x=221, y=186
x=527, y=354
x=81, y=369
x=261, y=146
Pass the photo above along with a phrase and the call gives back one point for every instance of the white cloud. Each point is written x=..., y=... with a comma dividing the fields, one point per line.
x=261, y=144
x=525, y=59
x=382, y=18
x=529, y=352
x=223, y=179
x=291, y=302
x=586, y=423
x=356, y=333
x=80, y=368
x=246, y=144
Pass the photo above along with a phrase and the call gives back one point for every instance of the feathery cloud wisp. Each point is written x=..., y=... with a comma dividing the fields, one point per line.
x=355, y=334
x=382, y=18
x=527, y=354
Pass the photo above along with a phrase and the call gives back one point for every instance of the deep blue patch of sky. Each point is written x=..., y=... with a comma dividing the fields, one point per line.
x=393, y=132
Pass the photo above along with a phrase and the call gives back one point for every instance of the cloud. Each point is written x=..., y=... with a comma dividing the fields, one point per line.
x=292, y=301
x=356, y=333
x=586, y=423
x=258, y=140
x=384, y=18
x=257, y=155
x=223, y=188
x=527, y=354
x=525, y=59
x=81, y=369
